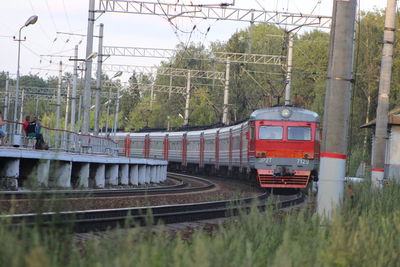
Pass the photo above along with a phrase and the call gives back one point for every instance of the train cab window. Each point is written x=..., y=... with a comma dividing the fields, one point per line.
x=299, y=133
x=270, y=132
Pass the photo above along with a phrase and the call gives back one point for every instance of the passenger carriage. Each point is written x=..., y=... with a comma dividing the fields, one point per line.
x=278, y=146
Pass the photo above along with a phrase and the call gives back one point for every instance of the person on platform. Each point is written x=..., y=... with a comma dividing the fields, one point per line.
x=40, y=144
x=25, y=124
x=3, y=134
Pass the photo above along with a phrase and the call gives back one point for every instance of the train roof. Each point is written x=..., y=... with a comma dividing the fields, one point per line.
x=284, y=113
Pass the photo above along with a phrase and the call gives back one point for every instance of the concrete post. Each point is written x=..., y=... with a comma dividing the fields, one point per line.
x=73, y=96
x=83, y=175
x=226, y=94
x=123, y=174
x=58, y=105
x=98, y=81
x=108, y=107
x=9, y=174
x=134, y=174
x=165, y=170
x=289, y=69
x=187, y=103
x=60, y=174
x=116, y=112
x=99, y=176
x=378, y=154
x=153, y=174
x=142, y=174
x=337, y=107
x=112, y=174
x=5, y=112
x=147, y=179
x=170, y=85
x=21, y=112
x=42, y=173
x=88, y=72
x=65, y=141
x=151, y=96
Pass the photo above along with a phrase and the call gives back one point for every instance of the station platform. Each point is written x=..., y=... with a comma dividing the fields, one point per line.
x=46, y=169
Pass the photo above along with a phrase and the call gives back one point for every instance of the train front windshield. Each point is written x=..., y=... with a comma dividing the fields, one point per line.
x=299, y=133
x=271, y=132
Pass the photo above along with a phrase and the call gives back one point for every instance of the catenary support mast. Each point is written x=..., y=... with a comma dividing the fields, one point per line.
x=337, y=107
x=88, y=72
x=74, y=84
x=98, y=81
x=378, y=153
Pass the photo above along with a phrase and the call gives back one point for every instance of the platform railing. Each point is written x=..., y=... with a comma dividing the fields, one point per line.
x=63, y=140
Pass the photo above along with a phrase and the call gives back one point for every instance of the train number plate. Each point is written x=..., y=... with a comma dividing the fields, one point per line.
x=266, y=160
x=303, y=161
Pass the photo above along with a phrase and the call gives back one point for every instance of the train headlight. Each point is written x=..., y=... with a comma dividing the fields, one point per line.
x=286, y=113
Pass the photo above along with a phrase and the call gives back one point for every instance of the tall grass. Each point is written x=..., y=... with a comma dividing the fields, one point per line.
x=364, y=232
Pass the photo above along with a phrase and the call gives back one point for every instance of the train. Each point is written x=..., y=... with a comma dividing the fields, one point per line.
x=277, y=147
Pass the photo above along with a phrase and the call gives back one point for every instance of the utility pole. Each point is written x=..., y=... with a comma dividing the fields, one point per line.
x=186, y=118
x=74, y=84
x=98, y=81
x=36, y=106
x=108, y=109
x=151, y=96
x=337, y=107
x=170, y=86
x=79, y=121
x=88, y=72
x=116, y=112
x=289, y=69
x=250, y=34
x=378, y=154
x=5, y=113
x=21, y=113
x=66, y=117
x=58, y=102
x=226, y=94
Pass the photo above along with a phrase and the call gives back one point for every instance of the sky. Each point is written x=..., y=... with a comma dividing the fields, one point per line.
x=70, y=16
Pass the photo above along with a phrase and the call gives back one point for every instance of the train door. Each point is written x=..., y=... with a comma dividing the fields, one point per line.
x=166, y=147
x=251, y=137
x=146, y=151
x=241, y=149
x=201, y=151
x=184, y=149
x=217, y=150
x=127, y=146
x=230, y=149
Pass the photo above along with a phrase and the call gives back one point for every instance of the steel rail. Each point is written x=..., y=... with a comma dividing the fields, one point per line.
x=180, y=187
x=97, y=220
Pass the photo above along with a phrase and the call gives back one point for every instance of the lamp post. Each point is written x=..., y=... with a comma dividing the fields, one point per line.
x=119, y=73
x=32, y=20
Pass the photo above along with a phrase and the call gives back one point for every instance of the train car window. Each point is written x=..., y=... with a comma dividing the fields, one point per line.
x=299, y=133
x=270, y=132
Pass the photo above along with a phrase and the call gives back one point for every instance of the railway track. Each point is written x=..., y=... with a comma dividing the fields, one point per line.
x=98, y=220
x=183, y=185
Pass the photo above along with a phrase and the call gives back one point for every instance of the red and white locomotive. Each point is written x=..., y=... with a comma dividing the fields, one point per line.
x=278, y=146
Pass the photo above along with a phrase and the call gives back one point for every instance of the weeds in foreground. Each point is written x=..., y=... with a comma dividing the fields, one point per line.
x=364, y=232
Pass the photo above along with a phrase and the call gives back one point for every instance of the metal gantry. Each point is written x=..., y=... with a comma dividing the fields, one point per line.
x=175, y=72
x=171, y=53
x=43, y=93
x=173, y=10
